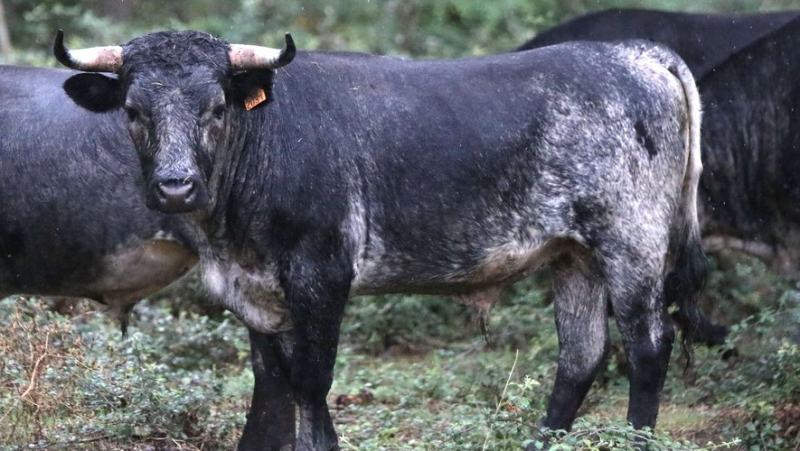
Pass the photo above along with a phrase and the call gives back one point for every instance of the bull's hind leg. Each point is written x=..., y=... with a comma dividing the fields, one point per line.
x=635, y=282
x=582, y=324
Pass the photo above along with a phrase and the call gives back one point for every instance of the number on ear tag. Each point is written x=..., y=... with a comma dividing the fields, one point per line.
x=255, y=99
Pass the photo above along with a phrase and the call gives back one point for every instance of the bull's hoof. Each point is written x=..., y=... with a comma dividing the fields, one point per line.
x=712, y=334
x=334, y=447
x=540, y=440
x=253, y=447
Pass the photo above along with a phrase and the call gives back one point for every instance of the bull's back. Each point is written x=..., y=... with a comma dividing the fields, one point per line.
x=458, y=159
x=750, y=141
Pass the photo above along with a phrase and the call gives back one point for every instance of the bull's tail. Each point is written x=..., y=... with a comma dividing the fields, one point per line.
x=683, y=285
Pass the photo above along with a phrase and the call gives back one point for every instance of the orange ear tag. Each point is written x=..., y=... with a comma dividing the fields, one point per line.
x=258, y=97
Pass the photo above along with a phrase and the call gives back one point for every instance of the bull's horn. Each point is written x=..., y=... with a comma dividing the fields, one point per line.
x=246, y=57
x=95, y=59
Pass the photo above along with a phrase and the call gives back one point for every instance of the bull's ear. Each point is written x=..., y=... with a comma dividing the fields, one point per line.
x=95, y=92
x=253, y=89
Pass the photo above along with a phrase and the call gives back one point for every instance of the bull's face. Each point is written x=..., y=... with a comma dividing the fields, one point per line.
x=177, y=125
x=184, y=96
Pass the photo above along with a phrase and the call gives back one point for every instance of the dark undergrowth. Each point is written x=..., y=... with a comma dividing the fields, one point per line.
x=412, y=373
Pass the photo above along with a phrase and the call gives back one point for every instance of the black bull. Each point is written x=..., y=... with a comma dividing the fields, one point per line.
x=73, y=220
x=369, y=174
x=703, y=40
x=72, y=216
x=749, y=84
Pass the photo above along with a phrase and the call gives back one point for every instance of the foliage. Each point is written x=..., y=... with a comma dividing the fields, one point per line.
x=402, y=323
x=416, y=324
x=71, y=383
x=418, y=28
x=183, y=378
x=591, y=437
x=740, y=285
x=766, y=389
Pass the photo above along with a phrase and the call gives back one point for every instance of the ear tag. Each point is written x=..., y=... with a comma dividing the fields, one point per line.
x=257, y=98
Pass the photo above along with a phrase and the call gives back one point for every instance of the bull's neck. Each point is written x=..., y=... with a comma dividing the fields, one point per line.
x=285, y=170
x=239, y=183
x=212, y=220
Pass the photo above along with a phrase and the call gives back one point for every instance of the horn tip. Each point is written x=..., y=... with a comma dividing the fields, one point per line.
x=59, y=38
x=59, y=51
x=288, y=53
x=290, y=43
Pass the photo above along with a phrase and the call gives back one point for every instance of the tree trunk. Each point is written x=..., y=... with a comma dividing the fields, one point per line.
x=5, y=38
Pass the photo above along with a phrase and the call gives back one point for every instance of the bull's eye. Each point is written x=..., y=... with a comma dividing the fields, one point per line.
x=132, y=113
x=219, y=111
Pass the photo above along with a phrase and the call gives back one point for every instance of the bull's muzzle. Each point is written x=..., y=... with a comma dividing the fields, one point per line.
x=177, y=195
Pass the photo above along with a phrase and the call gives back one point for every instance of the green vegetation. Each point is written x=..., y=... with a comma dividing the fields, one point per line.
x=76, y=382
x=412, y=372
x=418, y=28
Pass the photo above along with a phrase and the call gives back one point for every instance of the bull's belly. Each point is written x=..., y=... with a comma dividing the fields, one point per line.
x=255, y=296
x=498, y=267
x=118, y=279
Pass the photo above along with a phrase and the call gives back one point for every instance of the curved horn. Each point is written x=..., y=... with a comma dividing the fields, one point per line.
x=95, y=59
x=246, y=57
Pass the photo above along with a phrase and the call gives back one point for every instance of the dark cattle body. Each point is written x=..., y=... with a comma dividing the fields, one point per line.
x=749, y=190
x=363, y=174
x=702, y=40
x=72, y=216
x=73, y=220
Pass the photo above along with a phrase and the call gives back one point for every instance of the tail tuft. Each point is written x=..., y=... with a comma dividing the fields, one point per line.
x=682, y=290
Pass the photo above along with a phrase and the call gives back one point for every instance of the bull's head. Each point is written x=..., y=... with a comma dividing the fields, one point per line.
x=183, y=94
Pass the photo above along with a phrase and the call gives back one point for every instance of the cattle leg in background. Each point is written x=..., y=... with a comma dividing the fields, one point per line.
x=710, y=333
x=271, y=419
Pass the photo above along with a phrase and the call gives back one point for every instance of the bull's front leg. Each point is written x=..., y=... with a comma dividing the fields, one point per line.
x=271, y=420
x=316, y=286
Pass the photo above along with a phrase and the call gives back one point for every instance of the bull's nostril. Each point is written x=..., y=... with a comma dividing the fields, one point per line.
x=176, y=189
x=177, y=195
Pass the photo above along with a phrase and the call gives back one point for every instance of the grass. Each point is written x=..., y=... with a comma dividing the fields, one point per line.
x=411, y=374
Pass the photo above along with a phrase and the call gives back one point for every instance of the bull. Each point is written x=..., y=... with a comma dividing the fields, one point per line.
x=750, y=195
x=73, y=220
x=344, y=174
x=703, y=40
